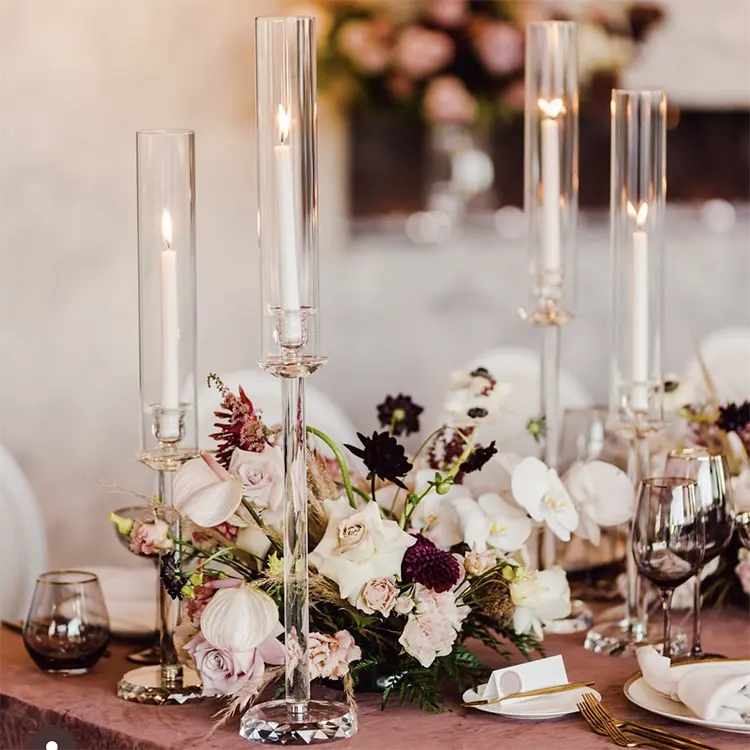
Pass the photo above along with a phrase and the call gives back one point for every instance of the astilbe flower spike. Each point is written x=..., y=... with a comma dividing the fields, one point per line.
x=169, y=574
x=239, y=424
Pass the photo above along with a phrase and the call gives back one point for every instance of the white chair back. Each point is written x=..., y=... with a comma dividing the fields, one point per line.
x=23, y=545
x=265, y=393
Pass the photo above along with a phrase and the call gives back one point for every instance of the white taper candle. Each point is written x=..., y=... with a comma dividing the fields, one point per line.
x=639, y=311
x=170, y=330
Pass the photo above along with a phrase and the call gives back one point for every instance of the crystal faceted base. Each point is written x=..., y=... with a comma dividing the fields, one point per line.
x=273, y=723
x=144, y=685
x=618, y=639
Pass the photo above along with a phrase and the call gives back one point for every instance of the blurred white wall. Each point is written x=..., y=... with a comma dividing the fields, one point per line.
x=77, y=79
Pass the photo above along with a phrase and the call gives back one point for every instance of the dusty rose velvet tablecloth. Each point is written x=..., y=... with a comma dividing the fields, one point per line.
x=88, y=708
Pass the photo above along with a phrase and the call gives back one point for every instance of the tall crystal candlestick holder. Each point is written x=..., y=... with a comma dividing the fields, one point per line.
x=637, y=204
x=286, y=120
x=167, y=317
x=551, y=204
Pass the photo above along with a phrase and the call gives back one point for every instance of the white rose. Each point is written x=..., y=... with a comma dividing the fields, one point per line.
x=427, y=637
x=539, y=597
x=359, y=545
x=239, y=619
x=262, y=476
x=378, y=595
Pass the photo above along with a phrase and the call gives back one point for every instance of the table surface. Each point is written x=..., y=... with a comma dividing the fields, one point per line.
x=88, y=708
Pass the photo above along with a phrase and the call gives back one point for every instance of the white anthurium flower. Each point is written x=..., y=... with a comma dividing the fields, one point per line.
x=205, y=492
x=603, y=496
x=435, y=516
x=538, y=490
x=359, y=545
x=539, y=597
x=678, y=393
x=490, y=521
x=239, y=619
x=253, y=539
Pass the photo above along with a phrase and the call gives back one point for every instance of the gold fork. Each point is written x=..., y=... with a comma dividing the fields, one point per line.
x=611, y=731
x=644, y=730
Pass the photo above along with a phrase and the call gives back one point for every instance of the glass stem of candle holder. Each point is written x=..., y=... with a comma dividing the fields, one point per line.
x=296, y=590
x=639, y=459
x=170, y=609
x=550, y=402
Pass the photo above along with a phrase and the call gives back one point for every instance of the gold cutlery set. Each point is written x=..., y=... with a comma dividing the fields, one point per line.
x=622, y=733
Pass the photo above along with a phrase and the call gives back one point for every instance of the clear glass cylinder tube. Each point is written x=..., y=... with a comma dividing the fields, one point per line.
x=638, y=200
x=551, y=168
x=166, y=292
x=286, y=118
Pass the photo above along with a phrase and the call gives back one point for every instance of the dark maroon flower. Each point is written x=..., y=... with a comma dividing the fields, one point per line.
x=170, y=575
x=399, y=414
x=383, y=457
x=429, y=565
x=478, y=458
x=733, y=417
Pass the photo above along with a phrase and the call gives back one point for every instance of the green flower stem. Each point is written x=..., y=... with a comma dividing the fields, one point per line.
x=342, y=463
x=237, y=566
x=216, y=554
x=358, y=491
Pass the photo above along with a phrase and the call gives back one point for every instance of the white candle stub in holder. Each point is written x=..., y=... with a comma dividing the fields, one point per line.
x=521, y=678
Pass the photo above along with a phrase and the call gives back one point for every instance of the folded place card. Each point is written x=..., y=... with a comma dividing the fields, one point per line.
x=532, y=675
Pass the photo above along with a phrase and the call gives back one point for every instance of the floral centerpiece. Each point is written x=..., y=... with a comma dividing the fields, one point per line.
x=411, y=560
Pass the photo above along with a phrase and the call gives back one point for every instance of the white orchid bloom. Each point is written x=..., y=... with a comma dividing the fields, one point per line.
x=538, y=490
x=490, y=521
x=435, y=515
x=603, y=496
x=539, y=597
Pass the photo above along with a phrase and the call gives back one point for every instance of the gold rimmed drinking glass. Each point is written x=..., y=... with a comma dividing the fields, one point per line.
x=668, y=538
x=67, y=628
x=710, y=470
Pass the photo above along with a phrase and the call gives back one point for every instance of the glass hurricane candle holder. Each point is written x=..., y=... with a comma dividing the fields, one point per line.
x=286, y=116
x=166, y=296
x=637, y=201
x=551, y=168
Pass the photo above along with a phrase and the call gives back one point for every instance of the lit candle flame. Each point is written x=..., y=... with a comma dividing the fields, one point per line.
x=284, y=121
x=166, y=227
x=552, y=109
x=639, y=215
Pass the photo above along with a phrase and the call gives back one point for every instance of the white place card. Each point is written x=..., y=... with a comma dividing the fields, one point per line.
x=531, y=675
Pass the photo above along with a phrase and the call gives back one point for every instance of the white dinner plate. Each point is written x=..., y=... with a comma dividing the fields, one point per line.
x=638, y=691
x=541, y=707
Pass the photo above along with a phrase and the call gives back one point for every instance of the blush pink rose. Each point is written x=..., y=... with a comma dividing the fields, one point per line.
x=364, y=43
x=500, y=47
x=225, y=672
x=150, y=537
x=447, y=13
x=420, y=52
x=447, y=100
x=378, y=595
x=330, y=655
x=428, y=636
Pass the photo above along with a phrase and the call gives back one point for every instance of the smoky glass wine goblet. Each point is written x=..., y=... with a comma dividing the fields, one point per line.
x=668, y=538
x=710, y=470
x=67, y=628
x=742, y=524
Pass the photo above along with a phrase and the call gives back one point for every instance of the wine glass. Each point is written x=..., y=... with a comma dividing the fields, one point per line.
x=668, y=538
x=710, y=470
x=67, y=628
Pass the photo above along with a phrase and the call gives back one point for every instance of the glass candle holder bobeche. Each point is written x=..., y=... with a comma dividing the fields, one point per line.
x=286, y=118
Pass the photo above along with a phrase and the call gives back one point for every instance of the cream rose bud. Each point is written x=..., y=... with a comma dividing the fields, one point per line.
x=378, y=595
x=262, y=477
x=404, y=605
x=428, y=636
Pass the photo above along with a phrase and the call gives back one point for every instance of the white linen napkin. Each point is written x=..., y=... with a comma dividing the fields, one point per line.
x=712, y=691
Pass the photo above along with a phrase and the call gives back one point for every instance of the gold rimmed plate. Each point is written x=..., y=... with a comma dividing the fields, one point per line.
x=639, y=692
x=551, y=706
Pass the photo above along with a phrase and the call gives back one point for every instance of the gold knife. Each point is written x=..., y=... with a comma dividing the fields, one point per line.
x=529, y=694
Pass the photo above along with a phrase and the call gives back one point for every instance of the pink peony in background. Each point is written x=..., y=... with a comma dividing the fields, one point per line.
x=421, y=52
x=448, y=101
x=500, y=47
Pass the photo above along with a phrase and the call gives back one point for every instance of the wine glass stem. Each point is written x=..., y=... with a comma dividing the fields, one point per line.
x=696, y=650
x=666, y=601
